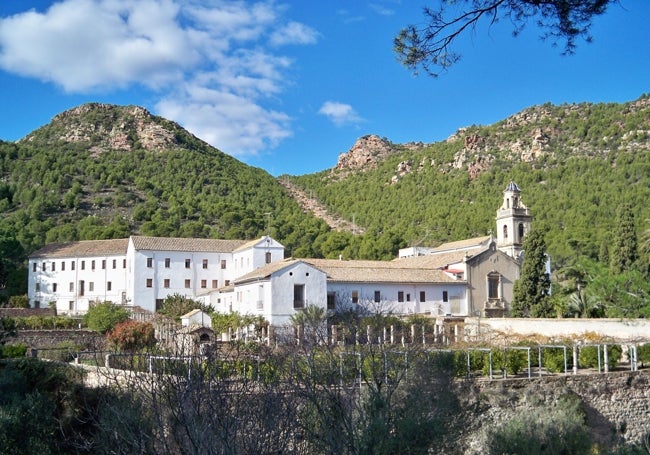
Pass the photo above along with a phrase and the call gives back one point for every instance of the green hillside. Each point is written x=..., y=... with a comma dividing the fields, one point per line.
x=589, y=160
x=101, y=171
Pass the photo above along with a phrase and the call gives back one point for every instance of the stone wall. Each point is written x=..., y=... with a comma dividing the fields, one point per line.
x=617, y=405
x=48, y=339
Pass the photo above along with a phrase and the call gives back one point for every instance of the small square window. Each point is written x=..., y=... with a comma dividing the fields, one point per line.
x=166, y=283
x=54, y=266
x=109, y=286
x=187, y=283
x=54, y=287
x=355, y=296
x=205, y=263
x=223, y=263
x=63, y=265
x=149, y=282
x=38, y=287
x=168, y=263
x=114, y=263
x=71, y=287
x=92, y=265
x=204, y=284
x=72, y=265
x=400, y=296
x=91, y=286
x=123, y=263
x=215, y=284
x=83, y=265
x=34, y=267
x=44, y=267
x=445, y=296
x=103, y=264
x=377, y=296
x=149, y=262
x=423, y=296
x=187, y=263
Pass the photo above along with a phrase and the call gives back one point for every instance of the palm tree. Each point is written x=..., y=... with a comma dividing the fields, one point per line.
x=584, y=305
x=312, y=321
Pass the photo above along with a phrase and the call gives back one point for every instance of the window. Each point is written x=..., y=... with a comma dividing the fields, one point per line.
x=204, y=284
x=187, y=263
x=71, y=305
x=168, y=263
x=37, y=304
x=205, y=263
x=215, y=284
x=505, y=231
x=521, y=231
x=34, y=267
x=355, y=296
x=149, y=282
x=114, y=263
x=493, y=285
x=71, y=287
x=123, y=263
x=268, y=257
x=223, y=263
x=298, y=295
x=166, y=283
x=149, y=262
x=187, y=283
x=38, y=287
x=103, y=264
x=227, y=283
x=54, y=266
x=109, y=286
x=408, y=297
x=91, y=286
x=159, y=304
x=62, y=265
x=423, y=296
x=44, y=267
x=54, y=287
x=82, y=287
x=445, y=296
x=72, y=265
x=83, y=265
x=377, y=296
x=92, y=265
x=400, y=296
x=331, y=301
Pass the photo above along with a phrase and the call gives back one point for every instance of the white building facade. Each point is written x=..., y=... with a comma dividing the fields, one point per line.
x=140, y=271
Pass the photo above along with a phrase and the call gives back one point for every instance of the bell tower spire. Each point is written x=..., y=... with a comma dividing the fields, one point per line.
x=513, y=222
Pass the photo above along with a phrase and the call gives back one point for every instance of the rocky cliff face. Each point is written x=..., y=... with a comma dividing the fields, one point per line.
x=364, y=154
x=107, y=127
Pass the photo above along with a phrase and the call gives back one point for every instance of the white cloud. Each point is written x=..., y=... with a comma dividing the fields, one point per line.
x=339, y=113
x=181, y=50
x=294, y=33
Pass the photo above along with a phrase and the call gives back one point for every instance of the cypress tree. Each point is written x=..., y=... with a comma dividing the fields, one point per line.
x=624, y=248
x=531, y=290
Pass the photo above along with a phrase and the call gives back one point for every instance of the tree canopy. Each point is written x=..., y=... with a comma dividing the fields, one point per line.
x=430, y=46
x=531, y=291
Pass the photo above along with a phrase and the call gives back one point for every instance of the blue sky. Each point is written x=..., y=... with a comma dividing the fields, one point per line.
x=289, y=85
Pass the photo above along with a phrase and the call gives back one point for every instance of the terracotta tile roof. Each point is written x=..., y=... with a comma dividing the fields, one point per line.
x=84, y=248
x=185, y=244
x=437, y=261
x=378, y=272
x=266, y=271
x=476, y=242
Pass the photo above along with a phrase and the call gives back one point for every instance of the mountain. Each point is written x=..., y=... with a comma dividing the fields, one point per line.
x=104, y=171
x=575, y=164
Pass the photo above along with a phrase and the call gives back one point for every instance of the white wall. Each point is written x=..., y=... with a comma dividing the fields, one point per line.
x=51, y=273
x=433, y=303
x=632, y=329
x=281, y=307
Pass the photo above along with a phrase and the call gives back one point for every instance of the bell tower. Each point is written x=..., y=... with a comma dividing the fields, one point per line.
x=513, y=222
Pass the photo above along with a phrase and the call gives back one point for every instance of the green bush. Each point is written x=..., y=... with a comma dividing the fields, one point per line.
x=588, y=356
x=553, y=359
x=643, y=353
x=103, y=316
x=558, y=429
x=9, y=351
x=515, y=361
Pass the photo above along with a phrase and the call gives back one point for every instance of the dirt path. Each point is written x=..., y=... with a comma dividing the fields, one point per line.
x=310, y=204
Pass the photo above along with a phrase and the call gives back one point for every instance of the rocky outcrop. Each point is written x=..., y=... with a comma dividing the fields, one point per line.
x=365, y=154
x=107, y=127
